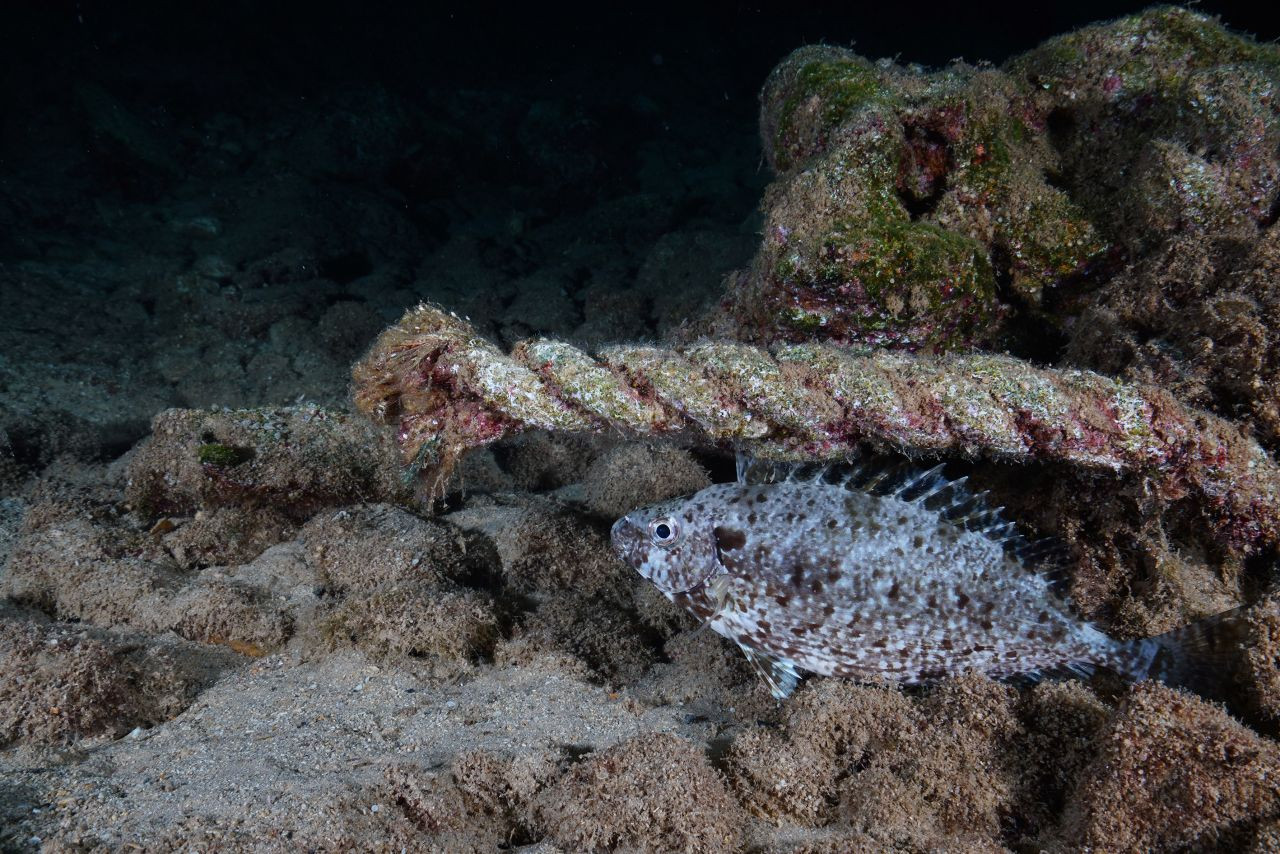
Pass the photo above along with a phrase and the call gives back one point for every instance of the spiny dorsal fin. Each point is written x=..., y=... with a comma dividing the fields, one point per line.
x=1047, y=558
x=756, y=471
x=885, y=475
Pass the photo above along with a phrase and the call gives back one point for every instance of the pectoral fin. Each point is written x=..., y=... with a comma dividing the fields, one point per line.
x=780, y=676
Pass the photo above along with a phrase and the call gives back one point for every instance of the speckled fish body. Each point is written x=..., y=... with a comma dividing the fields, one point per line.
x=828, y=577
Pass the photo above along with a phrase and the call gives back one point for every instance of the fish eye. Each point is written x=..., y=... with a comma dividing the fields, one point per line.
x=665, y=531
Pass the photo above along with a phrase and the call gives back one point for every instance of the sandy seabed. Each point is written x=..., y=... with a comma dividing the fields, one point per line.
x=356, y=675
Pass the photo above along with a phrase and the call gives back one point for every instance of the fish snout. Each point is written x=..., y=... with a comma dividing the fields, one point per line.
x=625, y=537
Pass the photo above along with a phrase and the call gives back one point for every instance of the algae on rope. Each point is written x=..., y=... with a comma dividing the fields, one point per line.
x=735, y=394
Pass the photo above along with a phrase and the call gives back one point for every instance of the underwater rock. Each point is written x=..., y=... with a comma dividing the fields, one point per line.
x=504, y=786
x=916, y=210
x=1261, y=663
x=604, y=642
x=930, y=772
x=375, y=545
x=544, y=551
x=637, y=474
x=224, y=536
x=1184, y=110
x=401, y=587
x=1061, y=722
x=656, y=793
x=1198, y=315
x=108, y=574
x=295, y=459
x=1172, y=771
x=64, y=682
x=80, y=556
x=905, y=203
x=573, y=600
x=542, y=460
x=452, y=627
x=482, y=801
x=127, y=152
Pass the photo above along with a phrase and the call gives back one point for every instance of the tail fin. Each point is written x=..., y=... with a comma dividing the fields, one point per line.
x=1201, y=656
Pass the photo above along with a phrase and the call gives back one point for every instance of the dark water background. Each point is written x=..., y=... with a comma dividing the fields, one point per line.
x=221, y=204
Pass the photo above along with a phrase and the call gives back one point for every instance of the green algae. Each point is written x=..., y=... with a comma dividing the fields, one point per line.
x=1148, y=52
x=222, y=456
x=929, y=187
x=840, y=86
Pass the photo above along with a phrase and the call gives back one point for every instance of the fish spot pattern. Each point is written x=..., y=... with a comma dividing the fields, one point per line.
x=821, y=577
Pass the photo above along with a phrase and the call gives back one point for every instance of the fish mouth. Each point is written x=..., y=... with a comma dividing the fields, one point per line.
x=615, y=533
x=622, y=538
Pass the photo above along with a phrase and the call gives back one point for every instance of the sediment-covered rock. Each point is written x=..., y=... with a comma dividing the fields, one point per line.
x=294, y=461
x=1173, y=771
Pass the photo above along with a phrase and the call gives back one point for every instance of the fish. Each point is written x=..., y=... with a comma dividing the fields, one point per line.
x=877, y=569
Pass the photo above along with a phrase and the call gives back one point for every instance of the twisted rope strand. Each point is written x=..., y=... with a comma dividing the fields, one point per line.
x=448, y=389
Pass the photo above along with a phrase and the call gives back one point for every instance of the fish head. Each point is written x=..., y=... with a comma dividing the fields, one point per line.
x=670, y=543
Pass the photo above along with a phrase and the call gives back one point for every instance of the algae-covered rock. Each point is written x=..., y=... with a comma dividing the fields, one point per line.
x=651, y=793
x=927, y=210
x=910, y=210
x=637, y=474
x=294, y=460
x=1197, y=314
x=63, y=681
x=1163, y=120
x=1173, y=772
x=930, y=773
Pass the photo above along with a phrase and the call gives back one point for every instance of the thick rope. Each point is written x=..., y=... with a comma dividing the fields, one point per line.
x=448, y=389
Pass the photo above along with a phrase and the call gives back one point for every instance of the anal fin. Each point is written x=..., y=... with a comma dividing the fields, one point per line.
x=780, y=676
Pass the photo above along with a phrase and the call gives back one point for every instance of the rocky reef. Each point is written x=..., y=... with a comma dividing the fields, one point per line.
x=930, y=211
